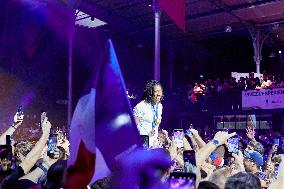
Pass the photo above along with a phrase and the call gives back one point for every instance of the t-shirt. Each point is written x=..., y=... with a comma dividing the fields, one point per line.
x=147, y=112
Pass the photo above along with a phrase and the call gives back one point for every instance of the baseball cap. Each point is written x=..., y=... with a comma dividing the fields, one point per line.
x=255, y=156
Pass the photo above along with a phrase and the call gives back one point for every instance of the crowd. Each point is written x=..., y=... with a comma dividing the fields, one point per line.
x=253, y=165
x=208, y=87
x=218, y=165
x=28, y=161
x=225, y=160
x=202, y=164
x=186, y=159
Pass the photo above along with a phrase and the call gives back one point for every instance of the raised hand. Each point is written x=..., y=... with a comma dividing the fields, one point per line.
x=165, y=133
x=223, y=136
x=173, y=150
x=273, y=149
x=18, y=118
x=250, y=133
x=194, y=132
x=48, y=160
x=46, y=126
x=239, y=160
x=208, y=168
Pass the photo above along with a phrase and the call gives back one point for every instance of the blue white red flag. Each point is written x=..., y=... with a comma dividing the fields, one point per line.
x=103, y=128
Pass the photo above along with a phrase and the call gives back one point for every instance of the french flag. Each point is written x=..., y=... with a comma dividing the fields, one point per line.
x=103, y=128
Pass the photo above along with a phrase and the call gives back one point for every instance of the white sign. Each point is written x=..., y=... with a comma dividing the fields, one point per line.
x=263, y=99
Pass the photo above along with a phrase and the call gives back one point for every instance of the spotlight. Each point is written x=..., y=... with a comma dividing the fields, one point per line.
x=92, y=18
x=280, y=52
x=150, y=5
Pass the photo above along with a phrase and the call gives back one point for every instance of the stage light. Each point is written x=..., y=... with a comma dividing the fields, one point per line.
x=86, y=20
x=280, y=52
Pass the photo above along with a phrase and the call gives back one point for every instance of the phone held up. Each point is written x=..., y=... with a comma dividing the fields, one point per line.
x=42, y=118
x=51, y=144
x=189, y=161
x=20, y=112
x=182, y=180
x=233, y=145
x=178, y=137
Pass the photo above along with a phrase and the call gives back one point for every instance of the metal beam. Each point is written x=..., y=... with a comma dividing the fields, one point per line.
x=196, y=16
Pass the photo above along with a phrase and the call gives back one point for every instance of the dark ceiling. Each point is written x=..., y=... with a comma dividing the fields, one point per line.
x=204, y=18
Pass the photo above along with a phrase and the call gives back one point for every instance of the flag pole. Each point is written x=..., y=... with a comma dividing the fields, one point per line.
x=70, y=67
x=157, y=12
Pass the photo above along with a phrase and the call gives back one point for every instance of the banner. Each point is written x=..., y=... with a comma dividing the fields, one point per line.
x=263, y=99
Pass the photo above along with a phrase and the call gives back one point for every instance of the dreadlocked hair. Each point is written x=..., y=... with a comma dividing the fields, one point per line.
x=149, y=90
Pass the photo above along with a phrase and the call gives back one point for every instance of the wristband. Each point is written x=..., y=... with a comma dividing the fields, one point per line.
x=42, y=166
x=215, y=142
x=14, y=126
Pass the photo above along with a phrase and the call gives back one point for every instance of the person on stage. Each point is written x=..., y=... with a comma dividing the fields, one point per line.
x=148, y=112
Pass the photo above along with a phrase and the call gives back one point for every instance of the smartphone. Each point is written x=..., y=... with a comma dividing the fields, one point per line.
x=181, y=180
x=20, y=112
x=189, y=161
x=178, y=137
x=51, y=144
x=188, y=132
x=42, y=117
x=5, y=159
x=233, y=145
x=145, y=141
